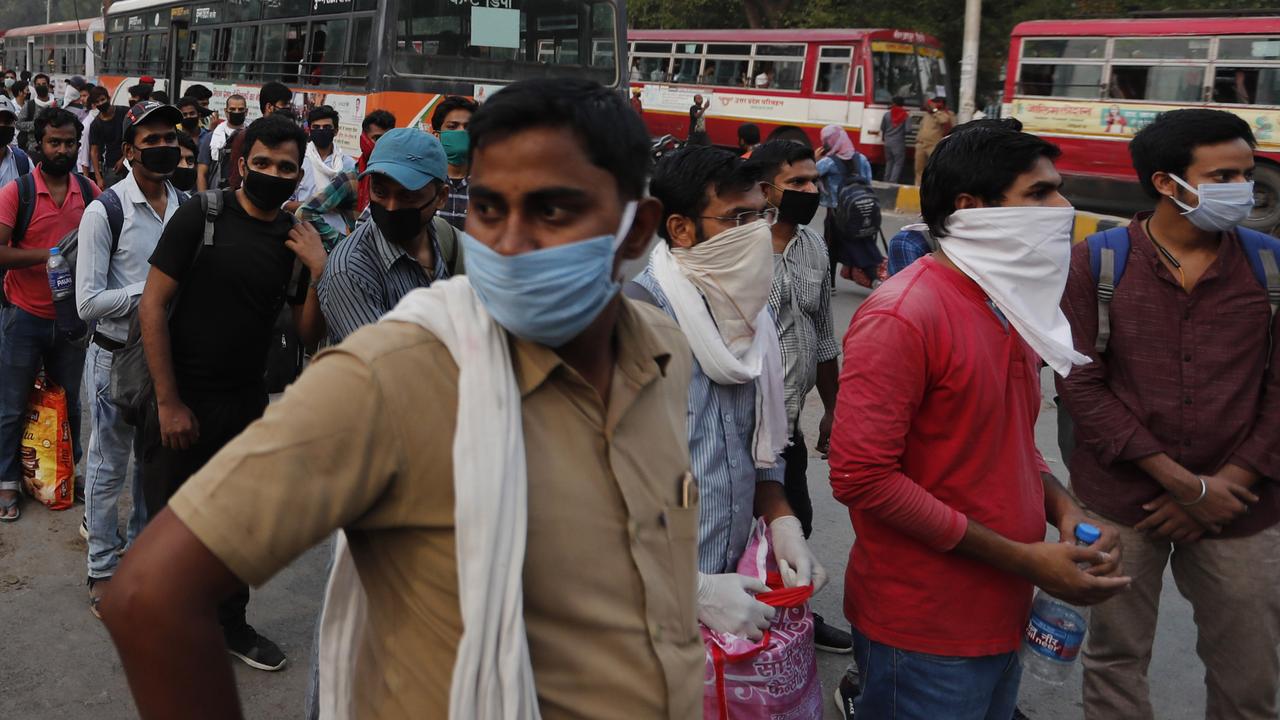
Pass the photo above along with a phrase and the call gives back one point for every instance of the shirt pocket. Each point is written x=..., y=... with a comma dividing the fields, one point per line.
x=807, y=287
x=681, y=524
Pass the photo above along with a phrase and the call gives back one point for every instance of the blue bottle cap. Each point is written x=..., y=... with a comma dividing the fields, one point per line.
x=1087, y=534
x=54, y=251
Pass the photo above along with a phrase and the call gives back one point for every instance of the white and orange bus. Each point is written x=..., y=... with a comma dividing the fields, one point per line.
x=59, y=50
x=359, y=55
x=1089, y=85
x=774, y=78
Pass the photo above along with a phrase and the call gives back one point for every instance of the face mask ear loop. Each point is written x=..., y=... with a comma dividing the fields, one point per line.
x=1193, y=191
x=624, y=227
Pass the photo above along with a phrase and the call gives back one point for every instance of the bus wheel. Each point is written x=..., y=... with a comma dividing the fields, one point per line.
x=1266, y=199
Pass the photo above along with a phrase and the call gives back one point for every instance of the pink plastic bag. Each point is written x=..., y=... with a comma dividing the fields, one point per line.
x=776, y=677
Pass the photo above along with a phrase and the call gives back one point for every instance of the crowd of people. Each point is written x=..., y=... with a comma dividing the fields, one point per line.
x=541, y=479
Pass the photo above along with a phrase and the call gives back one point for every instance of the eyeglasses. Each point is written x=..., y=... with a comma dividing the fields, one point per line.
x=769, y=215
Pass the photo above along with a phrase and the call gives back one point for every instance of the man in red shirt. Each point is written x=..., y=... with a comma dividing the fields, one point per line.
x=1178, y=423
x=934, y=443
x=30, y=340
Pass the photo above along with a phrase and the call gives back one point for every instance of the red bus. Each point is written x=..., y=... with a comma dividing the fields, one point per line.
x=1089, y=85
x=773, y=78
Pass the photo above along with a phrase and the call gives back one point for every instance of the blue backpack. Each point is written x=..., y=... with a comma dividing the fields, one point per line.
x=1109, y=253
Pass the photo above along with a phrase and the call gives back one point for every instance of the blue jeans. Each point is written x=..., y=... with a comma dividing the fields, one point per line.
x=904, y=685
x=28, y=343
x=105, y=466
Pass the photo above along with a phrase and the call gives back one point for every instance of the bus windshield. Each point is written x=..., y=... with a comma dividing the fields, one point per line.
x=912, y=72
x=507, y=40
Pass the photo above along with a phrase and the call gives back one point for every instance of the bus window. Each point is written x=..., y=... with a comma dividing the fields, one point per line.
x=933, y=71
x=241, y=10
x=324, y=57
x=779, y=67
x=649, y=69
x=896, y=73
x=499, y=41
x=285, y=8
x=240, y=55
x=1246, y=85
x=833, y=70
x=202, y=57
x=1070, y=81
x=1168, y=83
x=358, y=53
x=724, y=68
x=686, y=70
x=1076, y=48
x=1161, y=48
x=1249, y=48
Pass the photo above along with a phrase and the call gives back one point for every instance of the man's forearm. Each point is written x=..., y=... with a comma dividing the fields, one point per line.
x=202, y=177
x=155, y=344
x=829, y=383
x=989, y=547
x=771, y=501
x=1058, y=503
x=11, y=257
x=95, y=161
x=1178, y=481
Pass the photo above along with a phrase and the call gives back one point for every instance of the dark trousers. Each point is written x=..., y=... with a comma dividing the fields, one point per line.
x=796, y=482
x=221, y=417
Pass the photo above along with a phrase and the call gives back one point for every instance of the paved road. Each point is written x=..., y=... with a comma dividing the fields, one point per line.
x=57, y=663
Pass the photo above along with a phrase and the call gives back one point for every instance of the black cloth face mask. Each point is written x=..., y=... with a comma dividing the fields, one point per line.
x=798, y=208
x=399, y=226
x=161, y=160
x=268, y=192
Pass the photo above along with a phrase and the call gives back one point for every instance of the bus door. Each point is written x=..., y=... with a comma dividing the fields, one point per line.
x=179, y=42
x=833, y=81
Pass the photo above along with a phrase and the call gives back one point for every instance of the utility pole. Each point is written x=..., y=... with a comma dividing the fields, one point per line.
x=48, y=11
x=969, y=61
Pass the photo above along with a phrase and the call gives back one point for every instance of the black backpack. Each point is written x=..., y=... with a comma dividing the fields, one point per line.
x=857, y=215
x=218, y=175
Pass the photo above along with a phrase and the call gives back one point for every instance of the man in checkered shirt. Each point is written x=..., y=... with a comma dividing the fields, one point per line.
x=800, y=298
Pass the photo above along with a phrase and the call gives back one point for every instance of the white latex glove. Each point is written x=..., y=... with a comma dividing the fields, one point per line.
x=796, y=562
x=727, y=604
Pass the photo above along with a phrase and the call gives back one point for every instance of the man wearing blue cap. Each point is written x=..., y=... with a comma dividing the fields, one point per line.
x=401, y=245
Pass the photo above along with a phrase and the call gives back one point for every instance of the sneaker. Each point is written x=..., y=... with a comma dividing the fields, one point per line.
x=845, y=695
x=255, y=650
x=84, y=528
x=831, y=639
x=97, y=590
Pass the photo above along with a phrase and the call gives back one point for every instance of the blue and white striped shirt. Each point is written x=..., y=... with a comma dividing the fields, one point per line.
x=722, y=422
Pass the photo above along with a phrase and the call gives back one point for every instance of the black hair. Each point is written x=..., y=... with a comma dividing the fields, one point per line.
x=324, y=112
x=789, y=132
x=239, y=97
x=199, y=92
x=1169, y=142
x=141, y=92
x=159, y=96
x=767, y=160
x=749, y=133
x=982, y=158
x=448, y=105
x=20, y=86
x=188, y=142
x=273, y=132
x=25, y=75
x=272, y=93
x=381, y=118
x=682, y=178
x=612, y=134
x=97, y=93
x=187, y=101
x=56, y=117
x=899, y=100
x=39, y=76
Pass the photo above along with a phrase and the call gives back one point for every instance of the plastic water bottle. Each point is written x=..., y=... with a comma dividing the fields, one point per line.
x=1056, y=629
x=62, y=285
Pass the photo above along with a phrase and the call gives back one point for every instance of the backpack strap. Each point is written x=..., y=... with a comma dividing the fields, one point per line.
x=211, y=203
x=26, y=206
x=1108, y=255
x=1262, y=250
x=450, y=248
x=21, y=160
x=115, y=216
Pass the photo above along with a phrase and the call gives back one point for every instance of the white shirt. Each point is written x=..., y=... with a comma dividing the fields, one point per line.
x=220, y=135
x=108, y=286
x=82, y=160
x=313, y=181
x=9, y=167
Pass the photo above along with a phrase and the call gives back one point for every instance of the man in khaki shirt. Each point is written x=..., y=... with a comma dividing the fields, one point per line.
x=363, y=441
x=935, y=125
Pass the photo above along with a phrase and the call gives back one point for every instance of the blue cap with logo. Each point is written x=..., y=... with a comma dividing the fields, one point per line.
x=409, y=156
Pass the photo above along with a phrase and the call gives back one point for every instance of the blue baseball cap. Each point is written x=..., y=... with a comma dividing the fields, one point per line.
x=409, y=156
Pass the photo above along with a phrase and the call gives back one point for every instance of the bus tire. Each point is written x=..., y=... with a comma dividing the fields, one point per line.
x=1266, y=197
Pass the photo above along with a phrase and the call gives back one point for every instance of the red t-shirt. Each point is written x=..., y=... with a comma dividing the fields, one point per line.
x=28, y=287
x=935, y=423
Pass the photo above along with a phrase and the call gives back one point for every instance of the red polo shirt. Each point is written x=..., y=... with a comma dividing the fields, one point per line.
x=935, y=423
x=28, y=287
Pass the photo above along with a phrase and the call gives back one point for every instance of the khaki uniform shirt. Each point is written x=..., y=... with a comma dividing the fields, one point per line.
x=364, y=441
x=933, y=127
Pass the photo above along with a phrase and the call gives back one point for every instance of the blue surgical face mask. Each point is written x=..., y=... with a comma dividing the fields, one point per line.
x=1222, y=205
x=547, y=296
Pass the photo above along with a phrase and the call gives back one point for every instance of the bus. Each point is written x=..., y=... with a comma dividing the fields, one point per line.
x=773, y=78
x=359, y=55
x=1089, y=85
x=59, y=50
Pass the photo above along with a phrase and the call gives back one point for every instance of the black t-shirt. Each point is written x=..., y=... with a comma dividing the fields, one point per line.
x=229, y=299
x=107, y=135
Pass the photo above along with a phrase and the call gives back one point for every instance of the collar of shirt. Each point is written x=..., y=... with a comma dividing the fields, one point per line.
x=1228, y=253
x=390, y=253
x=73, y=187
x=132, y=194
x=641, y=354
